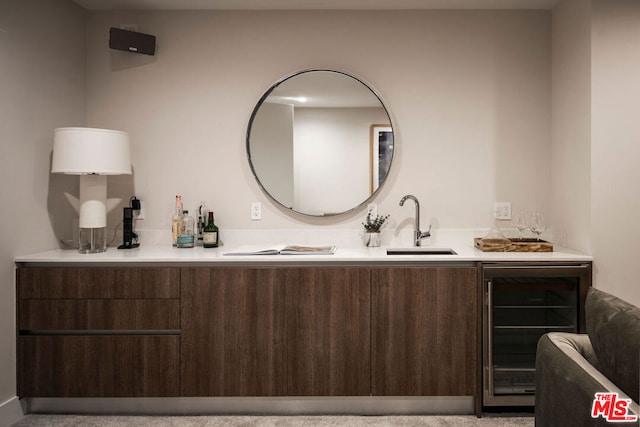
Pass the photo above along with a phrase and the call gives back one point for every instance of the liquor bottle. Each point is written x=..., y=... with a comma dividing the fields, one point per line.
x=203, y=211
x=186, y=238
x=176, y=220
x=210, y=234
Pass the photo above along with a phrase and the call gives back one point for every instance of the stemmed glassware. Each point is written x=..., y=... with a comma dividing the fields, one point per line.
x=536, y=224
x=521, y=224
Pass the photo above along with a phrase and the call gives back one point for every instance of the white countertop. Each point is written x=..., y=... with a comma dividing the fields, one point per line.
x=166, y=254
x=155, y=248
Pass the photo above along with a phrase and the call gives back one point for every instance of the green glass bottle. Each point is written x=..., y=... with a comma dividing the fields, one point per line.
x=210, y=234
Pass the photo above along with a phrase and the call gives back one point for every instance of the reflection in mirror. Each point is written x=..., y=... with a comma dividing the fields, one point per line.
x=320, y=142
x=381, y=153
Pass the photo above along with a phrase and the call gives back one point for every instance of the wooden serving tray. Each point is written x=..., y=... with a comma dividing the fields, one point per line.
x=517, y=245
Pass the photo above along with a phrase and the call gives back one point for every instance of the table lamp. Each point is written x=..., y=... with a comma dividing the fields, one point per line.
x=93, y=154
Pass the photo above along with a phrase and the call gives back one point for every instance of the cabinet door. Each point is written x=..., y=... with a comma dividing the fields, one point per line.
x=328, y=332
x=232, y=332
x=425, y=331
x=275, y=331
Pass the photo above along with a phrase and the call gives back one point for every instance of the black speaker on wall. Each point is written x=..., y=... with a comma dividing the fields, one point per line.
x=131, y=41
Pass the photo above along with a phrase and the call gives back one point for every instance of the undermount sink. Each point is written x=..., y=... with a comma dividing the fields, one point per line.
x=421, y=251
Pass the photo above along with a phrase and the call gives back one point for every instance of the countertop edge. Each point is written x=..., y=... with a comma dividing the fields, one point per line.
x=169, y=256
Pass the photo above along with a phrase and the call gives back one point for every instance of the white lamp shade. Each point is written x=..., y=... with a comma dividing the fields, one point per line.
x=80, y=151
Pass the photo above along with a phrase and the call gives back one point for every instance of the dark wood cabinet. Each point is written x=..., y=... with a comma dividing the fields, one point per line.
x=327, y=337
x=275, y=331
x=248, y=331
x=425, y=331
x=232, y=332
x=98, y=314
x=98, y=365
x=98, y=282
x=98, y=332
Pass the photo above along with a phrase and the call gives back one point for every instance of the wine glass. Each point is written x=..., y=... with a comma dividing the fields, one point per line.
x=536, y=224
x=521, y=224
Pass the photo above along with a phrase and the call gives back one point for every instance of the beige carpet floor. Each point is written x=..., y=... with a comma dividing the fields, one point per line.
x=493, y=420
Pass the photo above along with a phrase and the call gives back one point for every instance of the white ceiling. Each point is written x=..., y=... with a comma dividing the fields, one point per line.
x=313, y=4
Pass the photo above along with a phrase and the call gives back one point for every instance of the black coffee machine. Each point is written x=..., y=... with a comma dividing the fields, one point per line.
x=129, y=238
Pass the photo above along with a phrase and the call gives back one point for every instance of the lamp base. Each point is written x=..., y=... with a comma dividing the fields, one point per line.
x=93, y=240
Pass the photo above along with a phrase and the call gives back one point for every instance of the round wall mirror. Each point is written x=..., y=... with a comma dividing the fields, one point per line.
x=320, y=142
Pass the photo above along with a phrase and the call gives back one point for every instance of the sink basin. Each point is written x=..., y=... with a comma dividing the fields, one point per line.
x=421, y=251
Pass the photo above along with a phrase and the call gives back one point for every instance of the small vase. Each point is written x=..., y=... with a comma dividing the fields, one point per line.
x=372, y=240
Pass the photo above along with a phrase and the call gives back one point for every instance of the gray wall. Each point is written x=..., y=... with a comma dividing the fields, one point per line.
x=43, y=86
x=571, y=124
x=469, y=92
x=595, y=174
x=615, y=146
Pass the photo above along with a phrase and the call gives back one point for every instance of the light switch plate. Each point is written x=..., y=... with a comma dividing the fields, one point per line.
x=256, y=211
x=502, y=210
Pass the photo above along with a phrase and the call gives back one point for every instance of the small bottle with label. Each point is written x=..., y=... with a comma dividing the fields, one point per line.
x=203, y=212
x=176, y=221
x=210, y=234
x=186, y=238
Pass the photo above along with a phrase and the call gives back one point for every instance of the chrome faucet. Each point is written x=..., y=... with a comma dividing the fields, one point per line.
x=418, y=235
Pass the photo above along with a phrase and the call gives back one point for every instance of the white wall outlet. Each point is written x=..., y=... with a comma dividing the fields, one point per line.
x=372, y=209
x=139, y=215
x=256, y=211
x=502, y=210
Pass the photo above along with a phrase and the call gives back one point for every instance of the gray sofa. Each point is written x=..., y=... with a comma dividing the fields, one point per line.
x=571, y=368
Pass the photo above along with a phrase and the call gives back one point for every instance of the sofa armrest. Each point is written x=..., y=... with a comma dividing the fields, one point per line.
x=567, y=380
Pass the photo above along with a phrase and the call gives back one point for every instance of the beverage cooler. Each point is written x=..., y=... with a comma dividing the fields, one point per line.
x=522, y=302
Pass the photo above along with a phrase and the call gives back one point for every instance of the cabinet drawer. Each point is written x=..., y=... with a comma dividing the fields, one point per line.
x=98, y=314
x=98, y=282
x=98, y=366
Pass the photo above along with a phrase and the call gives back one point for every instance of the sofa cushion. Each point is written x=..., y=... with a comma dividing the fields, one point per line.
x=567, y=380
x=613, y=327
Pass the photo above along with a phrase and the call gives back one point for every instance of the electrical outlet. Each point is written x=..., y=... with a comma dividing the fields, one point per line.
x=372, y=209
x=502, y=210
x=256, y=211
x=139, y=215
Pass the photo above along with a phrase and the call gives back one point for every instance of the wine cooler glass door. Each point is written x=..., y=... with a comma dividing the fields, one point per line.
x=521, y=307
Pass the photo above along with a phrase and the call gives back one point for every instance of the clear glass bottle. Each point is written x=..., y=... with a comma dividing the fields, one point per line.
x=210, y=234
x=203, y=212
x=176, y=221
x=186, y=238
x=495, y=240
